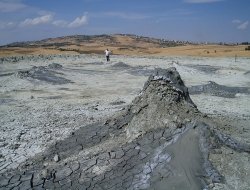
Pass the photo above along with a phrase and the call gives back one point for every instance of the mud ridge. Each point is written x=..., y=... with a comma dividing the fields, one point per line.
x=206, y=68
x=45, y=73
x=218, y=90
x=133, y=70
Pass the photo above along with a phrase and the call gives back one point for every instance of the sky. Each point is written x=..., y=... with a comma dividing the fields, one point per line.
x=191, y=20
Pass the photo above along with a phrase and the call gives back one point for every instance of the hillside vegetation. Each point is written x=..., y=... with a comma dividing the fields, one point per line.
x=120, y=44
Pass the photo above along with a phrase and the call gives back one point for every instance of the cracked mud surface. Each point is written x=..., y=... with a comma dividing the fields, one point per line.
x=127, y=152
x=140, y=147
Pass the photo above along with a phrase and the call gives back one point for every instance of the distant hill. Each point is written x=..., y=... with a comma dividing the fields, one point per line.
x=120, y=44
x=117, y=40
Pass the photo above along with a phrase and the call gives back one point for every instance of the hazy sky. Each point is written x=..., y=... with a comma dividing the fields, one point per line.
x=193, y=20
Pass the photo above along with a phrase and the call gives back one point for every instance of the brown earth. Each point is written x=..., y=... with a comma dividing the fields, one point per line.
x=121, y=45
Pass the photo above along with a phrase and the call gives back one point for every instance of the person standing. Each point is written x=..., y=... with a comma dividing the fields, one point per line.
x=107, y=53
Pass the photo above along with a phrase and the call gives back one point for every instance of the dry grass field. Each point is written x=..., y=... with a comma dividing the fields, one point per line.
x=121, y=45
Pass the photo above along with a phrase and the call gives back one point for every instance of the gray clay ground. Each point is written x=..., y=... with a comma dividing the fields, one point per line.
x=43, y=104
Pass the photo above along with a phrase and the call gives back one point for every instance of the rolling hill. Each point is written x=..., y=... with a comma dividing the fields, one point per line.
x=120, y=44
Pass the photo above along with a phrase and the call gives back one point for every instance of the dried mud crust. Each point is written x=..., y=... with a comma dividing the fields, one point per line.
x=142, y=147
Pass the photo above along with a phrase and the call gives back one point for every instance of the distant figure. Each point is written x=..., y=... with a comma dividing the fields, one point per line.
x=107, y=53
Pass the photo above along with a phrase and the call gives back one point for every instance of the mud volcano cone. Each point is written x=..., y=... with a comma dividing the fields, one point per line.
x=157, y=142
x=163, y=121
x=163, y=103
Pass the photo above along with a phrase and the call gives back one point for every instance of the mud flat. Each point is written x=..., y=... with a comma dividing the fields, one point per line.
x=73, y=121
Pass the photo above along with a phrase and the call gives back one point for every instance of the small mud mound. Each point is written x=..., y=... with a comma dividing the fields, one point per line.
x=55, y=66
x=137, y=71
x=205, y=68
x=159, y=141
x=121, y=65
x=45, y=74
x=218, y=90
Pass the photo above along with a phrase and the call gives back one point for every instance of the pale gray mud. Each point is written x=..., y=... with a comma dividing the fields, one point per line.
x=59, y=126
x=159, y=141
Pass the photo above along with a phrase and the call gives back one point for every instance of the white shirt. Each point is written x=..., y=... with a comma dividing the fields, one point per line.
x=107, y=52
